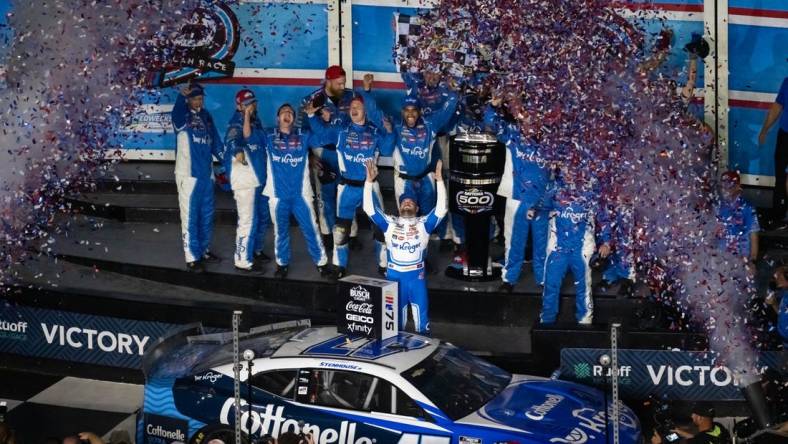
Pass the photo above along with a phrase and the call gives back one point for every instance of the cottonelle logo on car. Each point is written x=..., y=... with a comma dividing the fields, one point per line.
x=537, y=412
x=164, y=430
x=270, y=420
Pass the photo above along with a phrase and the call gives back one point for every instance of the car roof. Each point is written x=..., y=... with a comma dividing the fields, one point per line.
x=400, y=352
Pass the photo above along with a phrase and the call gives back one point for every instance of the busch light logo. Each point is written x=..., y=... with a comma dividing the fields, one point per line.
x=538, y=412
x=359, y=293
x=474, y=200
x=210, y=377
x=271, y=421
x=206, y=43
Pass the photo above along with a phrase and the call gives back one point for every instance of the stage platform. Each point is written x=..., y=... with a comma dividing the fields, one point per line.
x=124, y=246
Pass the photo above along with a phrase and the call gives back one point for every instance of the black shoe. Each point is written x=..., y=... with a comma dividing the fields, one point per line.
x=211, y=258
x=195, y=267
x=262, y=257
x=382, y=271
x=506, y=287
x=325, y=271
x=340, y=272
x=354, y=244
x=281, y=271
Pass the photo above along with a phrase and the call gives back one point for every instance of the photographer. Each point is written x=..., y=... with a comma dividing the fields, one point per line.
x=290, y=438
x=780, y=303
x=708, y=431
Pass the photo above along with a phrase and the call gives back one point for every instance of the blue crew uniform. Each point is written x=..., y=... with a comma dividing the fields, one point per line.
x=247, y=183
x=327, y=152
x=290, y=193
x=739, y=221
x=406, y=242
x=524, y=182
x=413, y=150
x=570, y=246
x=782, y=318
x=356, y=144
x=197, y=140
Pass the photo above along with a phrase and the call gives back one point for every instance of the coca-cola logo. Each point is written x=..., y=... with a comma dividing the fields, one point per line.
x=364, y=307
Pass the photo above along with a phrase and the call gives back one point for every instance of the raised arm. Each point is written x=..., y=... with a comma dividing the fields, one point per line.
x=492, y=119
x=692, y=76
x=217, y=147
x=180, y=112
x=441, y=117
x=373, y=112
x=323, y=133
x=437, y=214
x=374, y=213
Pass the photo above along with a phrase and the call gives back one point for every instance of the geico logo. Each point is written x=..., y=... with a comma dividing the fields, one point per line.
x=364, y=307
x=687, y=375
x=359, y=318
x=161, y=432
x=107, y=341
x=15, y=327
x=474, y=199
x=271, y=421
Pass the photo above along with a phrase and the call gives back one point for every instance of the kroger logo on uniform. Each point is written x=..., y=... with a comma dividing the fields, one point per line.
x=359, y=293
x=407, y=246
x=271, y=421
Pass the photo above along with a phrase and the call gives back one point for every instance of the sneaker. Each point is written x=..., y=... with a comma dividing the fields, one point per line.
x=211, y=258
x=354, y=244
x=505, y=287
x=340, y=272
x=382, y=271
x=195, y=267
x=281, y=271
x=251, y=269
x=262, y=257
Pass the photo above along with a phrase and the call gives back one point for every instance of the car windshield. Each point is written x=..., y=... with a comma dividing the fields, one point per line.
x=456, y=381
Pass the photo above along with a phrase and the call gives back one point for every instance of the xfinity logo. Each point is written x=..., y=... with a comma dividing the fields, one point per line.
x=106, y=341
x=210, y=377
x=363, y=329
x=359, y=293
x=538, y=412
x=271, y=421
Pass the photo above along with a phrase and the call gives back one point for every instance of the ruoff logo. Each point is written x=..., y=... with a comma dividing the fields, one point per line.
x=206, y=43
x=359, y=293
x=14, y=327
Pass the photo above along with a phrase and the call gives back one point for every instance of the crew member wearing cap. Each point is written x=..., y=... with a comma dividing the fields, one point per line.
x=709, y=431
x=777, y=112
x=334, y=98
x=407, y=237
x=197, y=140
x=415, y=136
x=357, y=142
x=244, y=161
x=290, y=192
x=739, y=231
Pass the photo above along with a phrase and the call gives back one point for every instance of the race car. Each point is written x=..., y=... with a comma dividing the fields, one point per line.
x=407, y=389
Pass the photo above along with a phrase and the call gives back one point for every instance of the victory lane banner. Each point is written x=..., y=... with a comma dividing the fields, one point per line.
x=675, y=375
x=77, y=337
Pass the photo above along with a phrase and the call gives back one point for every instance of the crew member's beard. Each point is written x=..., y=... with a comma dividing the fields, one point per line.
x=407, y=212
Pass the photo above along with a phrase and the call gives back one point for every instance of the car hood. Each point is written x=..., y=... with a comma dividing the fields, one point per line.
x=554, y=411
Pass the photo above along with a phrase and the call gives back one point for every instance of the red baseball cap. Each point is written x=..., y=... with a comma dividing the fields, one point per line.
x=245, y=97
x=334, y=72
